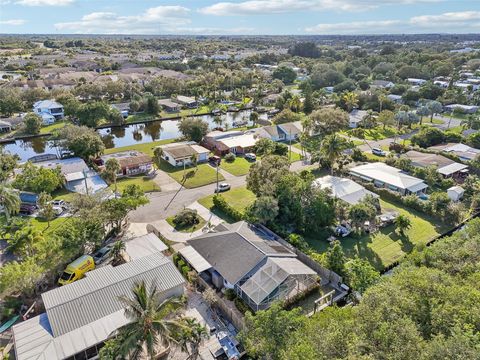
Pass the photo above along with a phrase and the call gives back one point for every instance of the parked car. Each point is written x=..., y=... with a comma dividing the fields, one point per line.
x=378, y=152
x=27, y=209
x=222, y=187
x=250, y=156
x=343, y=230
x=60, y=203
x=58, y=210
x=76, y=269
x=102, y=254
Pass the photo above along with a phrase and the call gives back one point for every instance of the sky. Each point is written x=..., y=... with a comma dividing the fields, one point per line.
x=244, y=17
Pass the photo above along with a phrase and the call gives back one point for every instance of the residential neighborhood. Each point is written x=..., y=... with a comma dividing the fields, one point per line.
x=232, y=196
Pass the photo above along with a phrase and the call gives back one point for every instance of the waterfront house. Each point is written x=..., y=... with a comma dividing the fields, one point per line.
x=179, y=154
x=49, y=111
x=131, y=162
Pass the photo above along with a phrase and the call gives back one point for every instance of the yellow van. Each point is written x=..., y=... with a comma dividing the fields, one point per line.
x=77, y=269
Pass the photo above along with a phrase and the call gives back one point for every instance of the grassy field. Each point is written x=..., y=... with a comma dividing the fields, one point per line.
x=239, y=167
x=145, y=183
x=50, y=128
x=240, y=198
x=187, y=229
x=204, y=174
x=385, y=246
x=63, y=194
x=42, y=225
x=146, y=148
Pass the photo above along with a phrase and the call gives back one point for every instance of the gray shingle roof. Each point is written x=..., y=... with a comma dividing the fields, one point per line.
x=96, y=296
x=235, y=252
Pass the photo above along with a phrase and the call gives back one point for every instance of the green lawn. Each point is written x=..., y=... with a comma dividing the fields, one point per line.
x=145, y=183
x=49, y=128
x=204, y=174
x=187, y=229
x=294, y=156
x=385, y=246
x=373, y=157
x=63, y=194
x=380, y=133
x=146, y=148
x=140, y=117
x=42, y=225
x=240, y=198
x=239, y=167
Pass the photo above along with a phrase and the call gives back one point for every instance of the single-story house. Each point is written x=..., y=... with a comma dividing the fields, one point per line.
x=355, y=118
x=291, y=130
x=464, y=152
x=414, y=81
x=81, y=316
x=131, y=162
x=445, y=166
x=385, y=176
x=169, y=106
x=384, y=84
x=466, y=109
x=78, y=176
x=271, y=132
x=344, y=189
x=187, y=101
x=247, y=259
x=223, y=142
x=123, y=108
x=5, y=127
x=179, y=154
x=271, y=99
x=397, y=99
x=49, y=110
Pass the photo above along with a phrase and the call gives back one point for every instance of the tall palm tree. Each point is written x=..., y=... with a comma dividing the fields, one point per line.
x=332, y=147
x=196, y=334
x=369, y=120
x=10, y=200
x=112, y=167
x=152, y=324
x=351, y=100
x=295, y=103
x=158, y=154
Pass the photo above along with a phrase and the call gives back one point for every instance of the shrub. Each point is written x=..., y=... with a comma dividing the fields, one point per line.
x=230, y=157
x=241, y=306
x=281, y=149
x=176, y=259
x=220, y=203
x=186, y=218
x=185, y=270
x=230, y=294
x=181, y=263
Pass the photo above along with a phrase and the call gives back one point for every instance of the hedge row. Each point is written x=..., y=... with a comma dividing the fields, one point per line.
x=220, y=203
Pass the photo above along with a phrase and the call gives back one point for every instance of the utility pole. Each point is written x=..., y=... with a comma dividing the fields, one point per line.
x=218, y=166
x=85, y=180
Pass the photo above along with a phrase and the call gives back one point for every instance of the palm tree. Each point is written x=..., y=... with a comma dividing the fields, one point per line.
x=332, y=147
x=10, y=200
x=196, y=334
x=158, y=153
x=369, y=119
x=151, y=323
x=402, y=223
x=194, y=160
x=116, y=252
x=351, y=100
x=112, y=167
x=295, y=103
x=470, y=122
x=254, y=118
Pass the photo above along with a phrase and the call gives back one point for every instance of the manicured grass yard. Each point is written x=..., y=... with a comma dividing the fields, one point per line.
x=42, y=224
x=385, y=246
x=239, y=167
x=146, y=148
x=379, y=133
x=187, y=229
x=239, y=198
x=63, y=194
x=204, y=174
x=145, y=183
x=49, y=128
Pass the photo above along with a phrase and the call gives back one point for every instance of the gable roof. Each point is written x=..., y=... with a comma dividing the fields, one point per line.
x=388, y=174
x=344, y=189
x=235, y=252
x=47, y=104
x=425, y=159
x=128, y=158
x=292, y=128
x=96, y=296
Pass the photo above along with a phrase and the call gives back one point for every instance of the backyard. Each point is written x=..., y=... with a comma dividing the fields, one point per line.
x=201, y=175
x=146, y=148
x=385, y=246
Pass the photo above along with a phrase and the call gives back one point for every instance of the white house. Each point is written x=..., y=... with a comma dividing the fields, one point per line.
x=385, y=176
x=344, y=189
x=397, y=99
x=356, y=117
x=455, y=193
x=415, y=81
x=179, y=154
x=49, y=110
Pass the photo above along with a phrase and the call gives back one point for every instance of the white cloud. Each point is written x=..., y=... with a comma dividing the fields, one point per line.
x=152, y=21
x=355, y=27
x=464, y=21
x=13, y=22
x=44, y=2
x=260, y=7
x=462, y=18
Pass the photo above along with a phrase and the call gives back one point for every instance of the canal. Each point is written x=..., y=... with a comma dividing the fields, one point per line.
x=131, y=134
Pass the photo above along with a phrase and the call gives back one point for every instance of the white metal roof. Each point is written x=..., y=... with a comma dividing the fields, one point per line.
x=144, y=245
x=456, y=189
x=244, y=141
x=388, y=175
x=344, y=189
x=452, y=168
x=195, y=259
